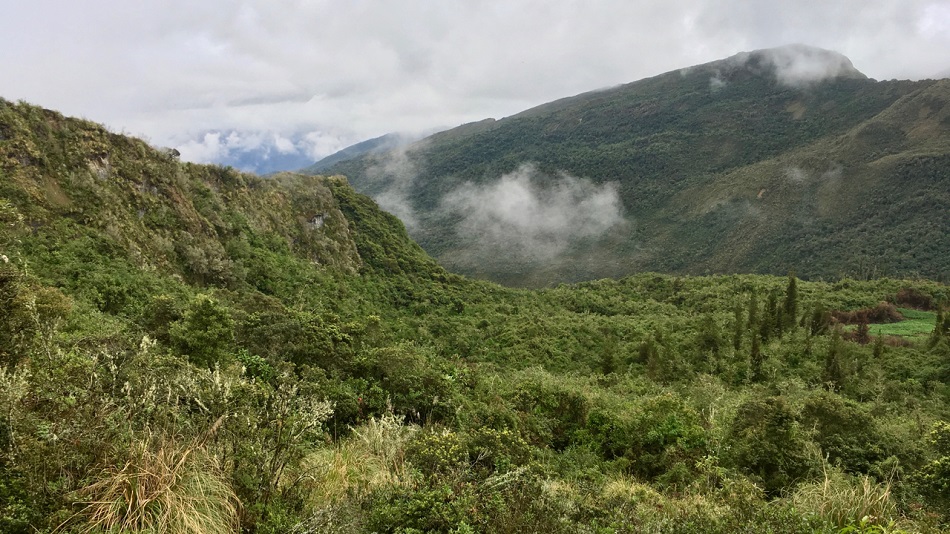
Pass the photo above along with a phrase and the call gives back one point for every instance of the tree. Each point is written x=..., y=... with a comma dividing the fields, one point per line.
x=708, y=342
x=934, y=477
x=790, y=306
x=766, y=442
x=769, y=322
x=756, y=359
x=941, y=329
x=833, y=375
x=863, y=334
x=753, y=314
x=820, y=318
x=737, y=326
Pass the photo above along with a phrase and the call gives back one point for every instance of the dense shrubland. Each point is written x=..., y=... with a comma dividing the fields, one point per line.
x=220, y=363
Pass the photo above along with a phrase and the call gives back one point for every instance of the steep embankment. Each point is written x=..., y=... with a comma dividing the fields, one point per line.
x=767, y=161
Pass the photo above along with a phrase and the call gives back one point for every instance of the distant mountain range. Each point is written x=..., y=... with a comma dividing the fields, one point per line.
x=764, y=162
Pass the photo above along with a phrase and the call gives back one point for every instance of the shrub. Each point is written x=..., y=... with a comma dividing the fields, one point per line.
x=846, y=434
x=437, y=452
x=765, y=442
x=206, y=332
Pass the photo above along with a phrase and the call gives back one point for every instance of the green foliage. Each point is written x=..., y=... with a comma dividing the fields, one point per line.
x=194, y=333
x=437, y=453
x=767, y=443
x=833, y=374
x=846, y=434
x=934, y=477
x=205, y=333
x=790, y=305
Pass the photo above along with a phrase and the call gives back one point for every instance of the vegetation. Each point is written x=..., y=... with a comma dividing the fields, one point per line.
x=185, y=348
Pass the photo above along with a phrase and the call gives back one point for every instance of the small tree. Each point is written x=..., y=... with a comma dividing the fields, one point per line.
x=934, y=477
x=941, y=329
x=756, y=358
x=737, y=326
x=766, y=442
x=833, y=375
x=790, y=306
x=708, y=342
x=753, y=321
x=768, y=325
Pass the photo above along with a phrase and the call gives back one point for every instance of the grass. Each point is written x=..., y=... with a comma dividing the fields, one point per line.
x=162, y=487
x=373, y=457
x=841, y=500
x=916, y=324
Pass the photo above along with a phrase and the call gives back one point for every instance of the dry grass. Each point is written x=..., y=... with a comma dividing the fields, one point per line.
x=373, y=457
x=163, y=487
x=843, y=500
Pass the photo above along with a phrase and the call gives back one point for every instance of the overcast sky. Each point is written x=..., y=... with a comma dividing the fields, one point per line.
x=308, y=77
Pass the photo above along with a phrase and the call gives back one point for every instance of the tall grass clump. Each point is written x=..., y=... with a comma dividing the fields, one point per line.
x=163, y=486
x=842, y=500
x=373, y=456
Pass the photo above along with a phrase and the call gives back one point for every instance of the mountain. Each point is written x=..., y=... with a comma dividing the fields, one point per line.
x=390, y=141
x=764, y=162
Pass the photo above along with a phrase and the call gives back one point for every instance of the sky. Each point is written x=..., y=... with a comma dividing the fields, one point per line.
x=292, y=81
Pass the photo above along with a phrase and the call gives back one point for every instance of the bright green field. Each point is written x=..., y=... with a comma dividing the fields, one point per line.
x=916, y=323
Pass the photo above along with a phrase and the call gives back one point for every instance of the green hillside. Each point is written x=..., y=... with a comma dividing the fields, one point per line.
x=189, y=349
x=720, y=168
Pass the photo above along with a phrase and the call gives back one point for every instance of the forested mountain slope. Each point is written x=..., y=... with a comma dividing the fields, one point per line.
x=763, y=162
x=189, y=349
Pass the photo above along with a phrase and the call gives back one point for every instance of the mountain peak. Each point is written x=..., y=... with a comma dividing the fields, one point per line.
x=798, y=65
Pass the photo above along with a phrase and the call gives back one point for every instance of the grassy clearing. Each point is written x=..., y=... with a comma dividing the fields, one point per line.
x=916, y=323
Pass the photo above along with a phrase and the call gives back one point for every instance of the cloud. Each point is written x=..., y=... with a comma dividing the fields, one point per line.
x=529, y=216
x=800, y=65
x=391, y=178
x=260, y=152
x=173, y=70
x=796, y=175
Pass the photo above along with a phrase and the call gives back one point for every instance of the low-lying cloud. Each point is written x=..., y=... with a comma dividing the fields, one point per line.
x=527, y=215
x=801, y=65
x=391, y=179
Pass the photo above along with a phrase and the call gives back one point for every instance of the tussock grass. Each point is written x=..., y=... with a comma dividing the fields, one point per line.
x=163, y=486
x=842, y=500
x=373, y=457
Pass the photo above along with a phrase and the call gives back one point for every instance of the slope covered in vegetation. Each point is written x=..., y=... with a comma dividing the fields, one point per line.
x=758, y=163
x=186, y=348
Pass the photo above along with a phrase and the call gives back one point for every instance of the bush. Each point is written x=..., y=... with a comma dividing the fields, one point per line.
x=766, y=442
x=846, y=434
x=206, y=332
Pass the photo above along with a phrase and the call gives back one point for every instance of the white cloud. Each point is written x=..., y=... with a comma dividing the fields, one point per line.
x=527, y=215
x=173, y=70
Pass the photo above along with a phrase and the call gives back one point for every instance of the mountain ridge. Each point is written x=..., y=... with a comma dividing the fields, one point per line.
x=671, y=138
